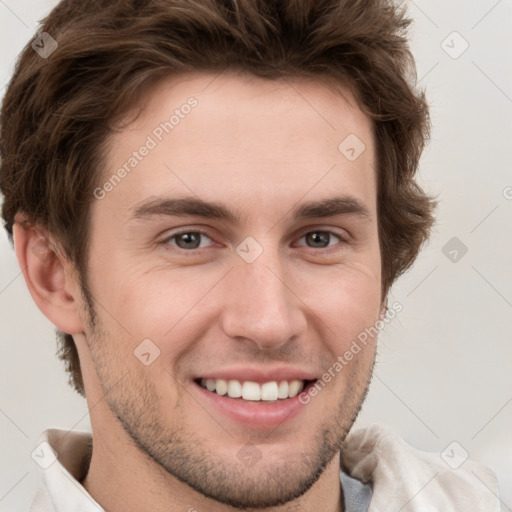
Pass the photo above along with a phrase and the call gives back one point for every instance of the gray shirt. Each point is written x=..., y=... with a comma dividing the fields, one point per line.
x=357, y=496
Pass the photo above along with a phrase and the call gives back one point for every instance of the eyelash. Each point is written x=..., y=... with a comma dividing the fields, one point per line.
x=342, y=239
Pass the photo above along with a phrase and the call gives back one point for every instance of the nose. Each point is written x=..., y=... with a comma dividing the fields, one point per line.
x=262, y=305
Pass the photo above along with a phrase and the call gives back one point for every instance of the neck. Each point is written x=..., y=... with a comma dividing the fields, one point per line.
x=122, y=478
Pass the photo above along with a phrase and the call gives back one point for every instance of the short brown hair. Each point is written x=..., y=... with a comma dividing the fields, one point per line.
x=57, y=112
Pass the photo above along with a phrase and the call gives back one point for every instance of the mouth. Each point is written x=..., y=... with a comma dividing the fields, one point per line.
x=252, y=397
x=274, y=391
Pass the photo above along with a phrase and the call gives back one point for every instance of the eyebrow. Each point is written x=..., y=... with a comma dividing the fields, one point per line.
x=193, y=206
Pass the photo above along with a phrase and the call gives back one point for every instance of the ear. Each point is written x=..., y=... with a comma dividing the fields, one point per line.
x=49, y=276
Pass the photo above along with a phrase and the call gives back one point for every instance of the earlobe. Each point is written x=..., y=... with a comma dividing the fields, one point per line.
x=48, y=277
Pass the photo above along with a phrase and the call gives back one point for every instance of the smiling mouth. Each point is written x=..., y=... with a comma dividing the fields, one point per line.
x=271, y=391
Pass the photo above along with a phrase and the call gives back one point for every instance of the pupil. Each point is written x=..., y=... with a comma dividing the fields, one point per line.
x=191, y=240
x=319, y=237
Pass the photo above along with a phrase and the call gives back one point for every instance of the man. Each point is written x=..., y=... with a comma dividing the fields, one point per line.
x=210, y=201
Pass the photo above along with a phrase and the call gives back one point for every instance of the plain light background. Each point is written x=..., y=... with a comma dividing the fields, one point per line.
x=444, y=364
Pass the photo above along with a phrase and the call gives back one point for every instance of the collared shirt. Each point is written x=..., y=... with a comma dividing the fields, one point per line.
x=380, y=473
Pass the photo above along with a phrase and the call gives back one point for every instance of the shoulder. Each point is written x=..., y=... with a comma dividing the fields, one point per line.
x=64, y=457
x=413, y=480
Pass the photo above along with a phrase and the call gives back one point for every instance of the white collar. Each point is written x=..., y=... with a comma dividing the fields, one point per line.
x=400, y=476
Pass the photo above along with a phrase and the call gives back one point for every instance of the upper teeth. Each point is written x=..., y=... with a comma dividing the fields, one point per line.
x=248, y=390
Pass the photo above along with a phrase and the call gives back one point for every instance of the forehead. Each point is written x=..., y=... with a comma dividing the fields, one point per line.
x=243, y=137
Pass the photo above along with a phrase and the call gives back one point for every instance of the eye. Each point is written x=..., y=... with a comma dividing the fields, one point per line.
x=321, y=239
x=187, y=240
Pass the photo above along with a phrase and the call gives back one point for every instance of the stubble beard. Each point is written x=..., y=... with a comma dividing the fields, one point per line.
x=191, y=459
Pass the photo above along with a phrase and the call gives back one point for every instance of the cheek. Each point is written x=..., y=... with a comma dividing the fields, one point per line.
x=170, y=307
x=346, y=300
x=174, y=306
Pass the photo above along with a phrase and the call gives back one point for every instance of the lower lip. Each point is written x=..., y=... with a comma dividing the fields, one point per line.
x=253, y=414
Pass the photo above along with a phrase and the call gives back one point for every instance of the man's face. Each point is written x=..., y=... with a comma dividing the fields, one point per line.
x=262, y=295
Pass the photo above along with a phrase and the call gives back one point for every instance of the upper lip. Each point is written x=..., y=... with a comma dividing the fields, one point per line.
x=260, y=375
